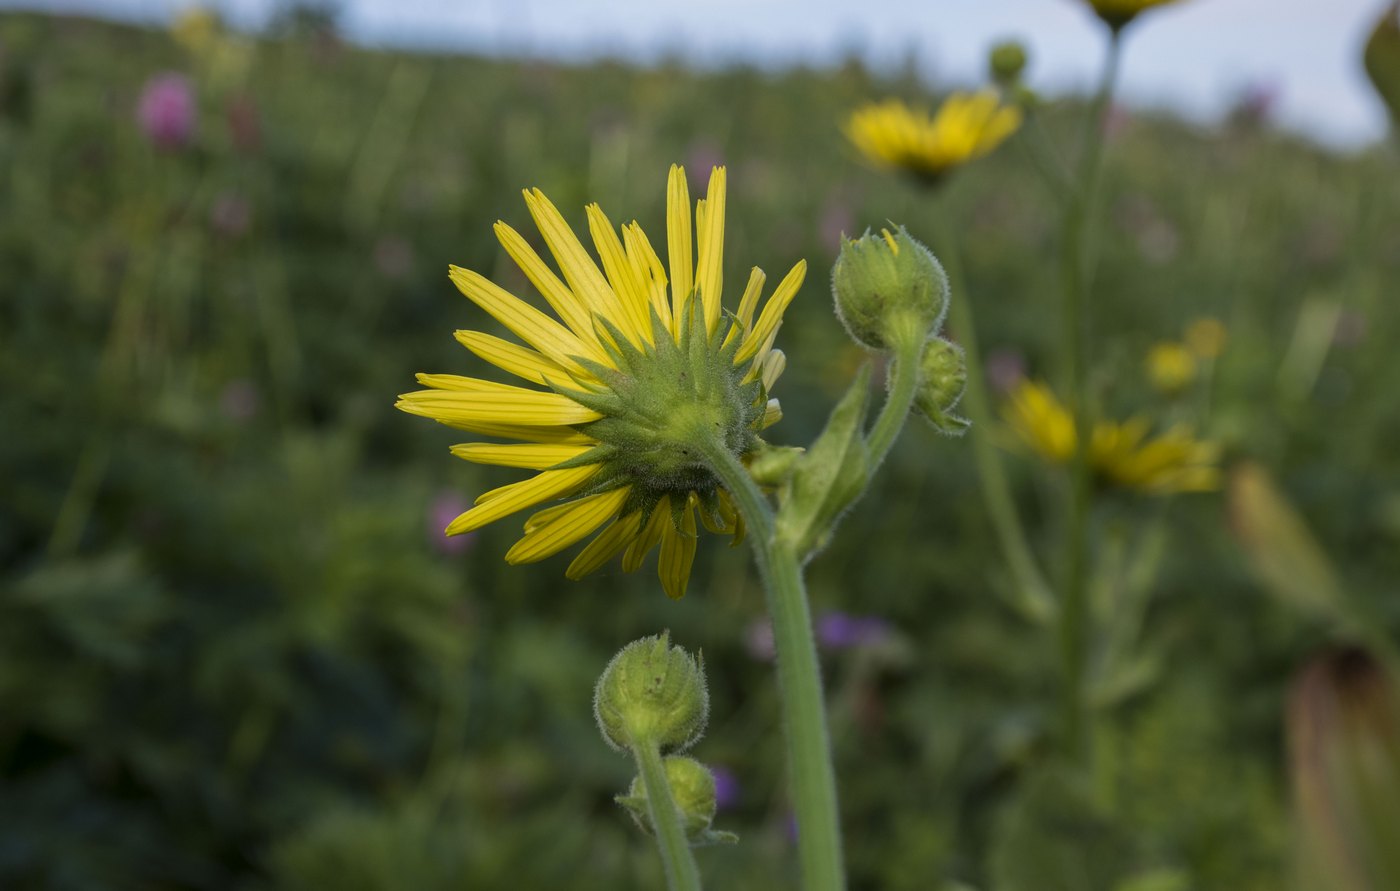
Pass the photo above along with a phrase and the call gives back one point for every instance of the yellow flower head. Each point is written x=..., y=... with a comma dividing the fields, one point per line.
x=1119, y=453
x=966, y=127
x=195, y=29
x=1206, y=337
x=1171, y=367
x=636, y=366
x=1118, y=13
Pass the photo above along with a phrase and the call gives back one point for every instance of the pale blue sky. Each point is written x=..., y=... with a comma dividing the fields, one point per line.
x=1196, y=56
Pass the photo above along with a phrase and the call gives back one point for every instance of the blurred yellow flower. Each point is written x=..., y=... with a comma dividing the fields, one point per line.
x=1119, y=453
x=967, y=126
x=1118, y=13
x=1206, y=337
x=1040, y=421
x=625, y=381
x=195, y=29
x=1171, y=367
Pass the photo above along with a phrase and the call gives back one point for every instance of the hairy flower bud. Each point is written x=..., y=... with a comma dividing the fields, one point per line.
x=692, y=791
x=889, y=289
x=942, y=377
x=1007, y=61
x=652, y=693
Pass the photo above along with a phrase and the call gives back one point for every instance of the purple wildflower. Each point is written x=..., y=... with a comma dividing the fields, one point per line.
x=842, y=631
x=166, y=111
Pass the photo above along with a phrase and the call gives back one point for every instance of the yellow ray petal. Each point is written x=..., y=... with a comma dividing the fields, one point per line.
x=521, y=432
x=605, y=546
x=649, y=536
x=460, y=384
x=628, y=287
x=643, y=255
x=521, y=407
x=569, y=307
x=529, y=324
x=567, y=524
x=773, y=366
x=678, y=242
x=772, y=315
x=518, y=360
x=747, y=304
x=582, y=274
x=772, y=414
x=709, y=271
x=531, y=456
x=677, y=554
x=732, y=518
x=507, y=500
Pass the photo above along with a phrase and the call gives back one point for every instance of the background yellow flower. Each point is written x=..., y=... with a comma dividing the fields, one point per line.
x=965, y=127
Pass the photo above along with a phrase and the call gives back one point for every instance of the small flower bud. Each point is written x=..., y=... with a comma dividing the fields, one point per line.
x=890, y=289
x=772, y=465
x=1007, y=61
x=693, y=792
x=652, y=692
x=942, y=377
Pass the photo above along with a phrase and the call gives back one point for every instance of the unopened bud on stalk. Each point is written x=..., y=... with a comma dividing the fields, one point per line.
x=942, y=377
x=692, y=791
x=1007, y=61
x=652, y=693
x=890, y=289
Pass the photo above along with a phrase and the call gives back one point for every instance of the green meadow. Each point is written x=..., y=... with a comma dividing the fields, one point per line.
x=236, y=651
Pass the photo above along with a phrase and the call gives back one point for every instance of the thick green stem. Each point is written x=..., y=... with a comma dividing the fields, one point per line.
x=991, y=474
x=799, y=680
x=904, y=381
x=681, y=872
x=1076, y=266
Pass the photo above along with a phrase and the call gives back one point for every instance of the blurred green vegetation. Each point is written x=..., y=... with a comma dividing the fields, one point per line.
x=236, y=653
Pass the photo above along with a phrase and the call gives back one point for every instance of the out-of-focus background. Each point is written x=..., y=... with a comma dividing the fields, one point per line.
x=236, y=650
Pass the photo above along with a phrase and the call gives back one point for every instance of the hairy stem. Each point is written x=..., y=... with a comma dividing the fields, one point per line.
x=903, y=384
x=681, y=872
x=810, y=770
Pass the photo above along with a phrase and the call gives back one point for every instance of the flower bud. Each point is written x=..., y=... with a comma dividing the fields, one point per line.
x=942, y=377
x=1007, y=61
x=693, y=792
x=890, y=290
x=652, y=693
x=1382, y=59
x=772, y=465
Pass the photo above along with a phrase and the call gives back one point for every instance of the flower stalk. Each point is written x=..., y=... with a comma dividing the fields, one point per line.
x=1032, y=588
x=810, y=772
x=1077, y=266
x=676, y=857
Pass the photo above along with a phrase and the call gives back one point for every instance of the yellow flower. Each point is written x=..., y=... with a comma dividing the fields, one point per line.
x=1173, y=462
x=195, y=29
x=1118, y=13
x=1206, y=337
x=1119, y=453
x=1170, y=367
x=1040, y=421
x=966, y=127
x=634, y=369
